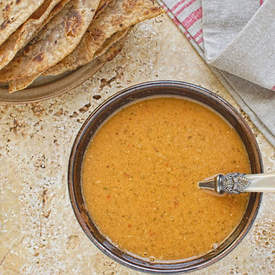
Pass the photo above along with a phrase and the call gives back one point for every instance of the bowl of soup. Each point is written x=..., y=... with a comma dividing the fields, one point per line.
x=133, y=174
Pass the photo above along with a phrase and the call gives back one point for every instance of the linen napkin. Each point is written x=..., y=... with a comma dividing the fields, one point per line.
x=237, y=40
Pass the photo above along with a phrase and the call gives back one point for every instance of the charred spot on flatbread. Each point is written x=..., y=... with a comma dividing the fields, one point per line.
x=73, y=24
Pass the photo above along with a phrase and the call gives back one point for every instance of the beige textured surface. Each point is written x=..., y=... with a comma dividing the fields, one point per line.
x=38, y=232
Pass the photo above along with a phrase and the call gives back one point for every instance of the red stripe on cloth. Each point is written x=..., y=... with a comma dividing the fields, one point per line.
x=184, y=7
x=176, y=21
x=179, y=3
x=261, y=2
x=192, y=18
x=273, y=88
x=197, y=34
x=200, y=40
x=187, y=35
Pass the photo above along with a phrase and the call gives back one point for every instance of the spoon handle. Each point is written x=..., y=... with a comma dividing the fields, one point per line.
x=235, y=183
x=261, y=183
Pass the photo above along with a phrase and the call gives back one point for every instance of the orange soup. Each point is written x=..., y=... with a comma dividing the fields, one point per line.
x=140, y=176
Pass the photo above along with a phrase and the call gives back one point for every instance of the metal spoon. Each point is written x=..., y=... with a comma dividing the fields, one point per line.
x=235, y=183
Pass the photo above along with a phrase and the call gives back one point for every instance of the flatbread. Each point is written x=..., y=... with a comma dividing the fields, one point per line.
x=103, y=4
x=110, y=41
x=112, y=52
x=55, y=41
x=24, y=34
x=13, y=13
x=117, y=17
x=110, y=49
x=22, y=83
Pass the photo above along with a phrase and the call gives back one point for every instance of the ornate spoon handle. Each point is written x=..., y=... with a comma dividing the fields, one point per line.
x=235, y=183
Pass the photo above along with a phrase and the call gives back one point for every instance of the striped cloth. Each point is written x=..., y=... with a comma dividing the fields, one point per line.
x=258, y=102
x=187, y=15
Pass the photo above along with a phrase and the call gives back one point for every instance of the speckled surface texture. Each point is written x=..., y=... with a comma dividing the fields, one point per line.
x=38, y=231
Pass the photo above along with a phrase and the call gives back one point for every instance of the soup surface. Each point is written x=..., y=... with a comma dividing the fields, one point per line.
x=140, y=176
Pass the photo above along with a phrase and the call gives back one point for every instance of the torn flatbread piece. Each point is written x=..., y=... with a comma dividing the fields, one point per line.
x=55, y=41
x=25, y=33
x=117, y=17
x=13, y=13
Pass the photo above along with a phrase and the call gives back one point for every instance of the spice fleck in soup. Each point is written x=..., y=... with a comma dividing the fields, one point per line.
x=140, y=176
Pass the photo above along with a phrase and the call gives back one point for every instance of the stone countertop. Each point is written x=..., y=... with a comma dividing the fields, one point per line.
x=38, y=231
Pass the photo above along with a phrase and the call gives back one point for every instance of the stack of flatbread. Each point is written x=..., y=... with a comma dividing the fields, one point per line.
x=50, y=37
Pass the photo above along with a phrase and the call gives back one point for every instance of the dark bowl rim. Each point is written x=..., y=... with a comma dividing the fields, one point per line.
x=160, y=84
